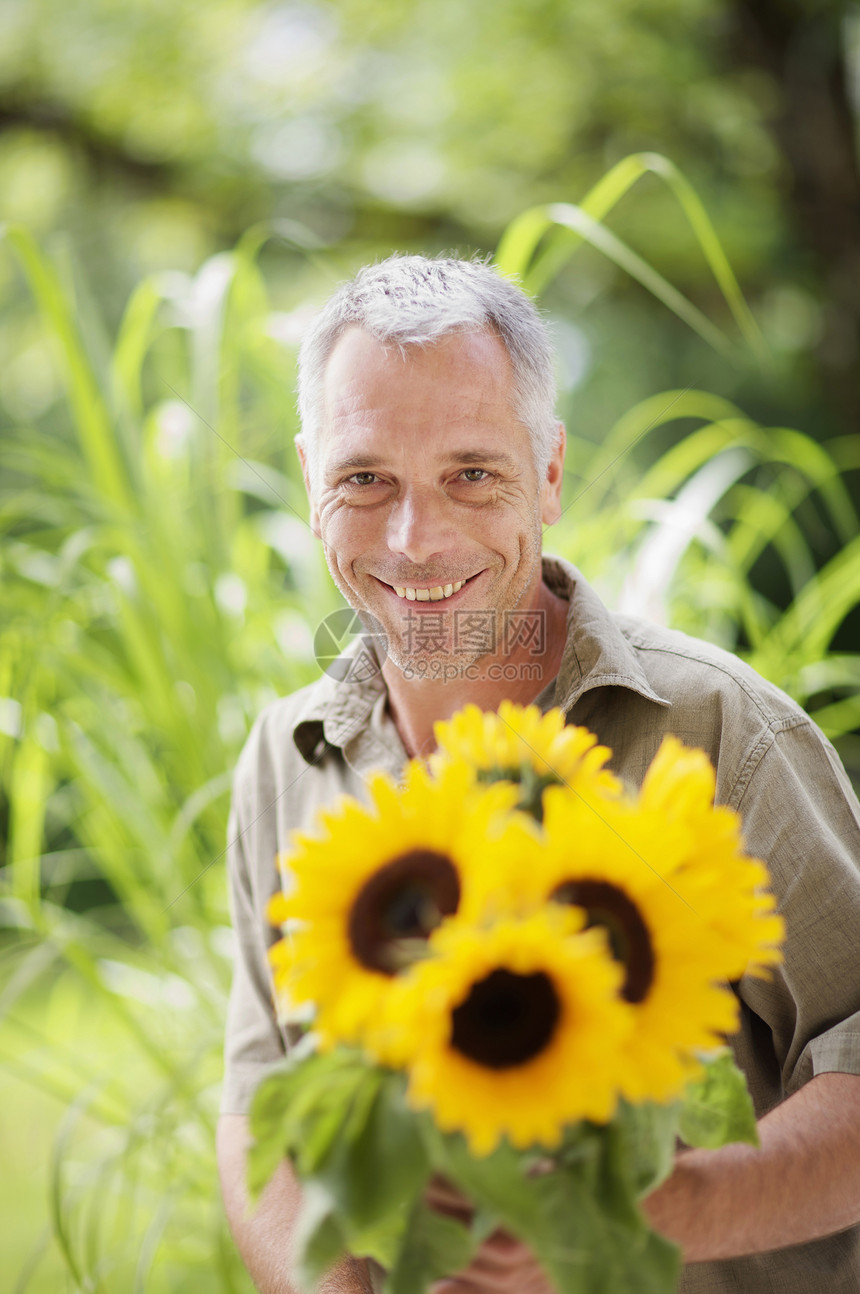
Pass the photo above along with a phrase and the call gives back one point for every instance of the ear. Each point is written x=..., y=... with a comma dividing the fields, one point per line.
x=314, y=518
x=550, y=490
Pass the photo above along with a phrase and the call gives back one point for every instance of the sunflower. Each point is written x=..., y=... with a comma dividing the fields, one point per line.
x=514, y=1029
x=708, y=857
x=367, y=892
x=522, y=745
x=675, y=960
x=680, y=780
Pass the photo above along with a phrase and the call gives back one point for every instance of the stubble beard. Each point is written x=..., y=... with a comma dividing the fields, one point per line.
x=430, y=664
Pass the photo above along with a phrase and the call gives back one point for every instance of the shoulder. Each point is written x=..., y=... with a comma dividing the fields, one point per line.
x=690, y=671
x=721, y=705
x=270, y=751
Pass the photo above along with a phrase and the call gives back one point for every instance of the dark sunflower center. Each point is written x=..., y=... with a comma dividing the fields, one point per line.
x=506, y=1020
x=403, y=901
x=532, y=785
x=629, y=941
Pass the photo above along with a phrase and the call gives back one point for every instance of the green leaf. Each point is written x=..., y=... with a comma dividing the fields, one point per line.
x=271, y=1098
x=261, y=1161
x=319, y=1241
x=717, y=1108
x=614, y=1188
x=299, y=1108
x=435, y=1246
x=647, y=1134
x=387, y=1164
x=345, y=1126
x=313, y=1136
x=331, y=1115
x=376, y=1171
x=593, y=1239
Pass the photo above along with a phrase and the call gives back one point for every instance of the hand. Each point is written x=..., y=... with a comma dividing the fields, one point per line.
x=502, y=1264
x=444, y=1198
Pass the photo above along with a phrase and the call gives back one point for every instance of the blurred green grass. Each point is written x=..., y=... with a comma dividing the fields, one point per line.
x=30, y=1121
x=86, y=1184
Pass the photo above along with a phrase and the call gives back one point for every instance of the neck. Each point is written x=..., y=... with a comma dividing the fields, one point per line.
x=517, y=675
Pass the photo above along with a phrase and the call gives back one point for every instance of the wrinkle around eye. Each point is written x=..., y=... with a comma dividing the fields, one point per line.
x=338, y=482
x=355, y=492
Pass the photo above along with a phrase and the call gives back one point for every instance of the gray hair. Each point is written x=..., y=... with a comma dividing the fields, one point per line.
x=412, y=301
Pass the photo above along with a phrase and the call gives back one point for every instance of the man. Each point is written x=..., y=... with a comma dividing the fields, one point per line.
x=432, y=460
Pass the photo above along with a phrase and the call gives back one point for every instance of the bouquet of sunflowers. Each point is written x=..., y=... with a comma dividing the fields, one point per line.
x=516, y=975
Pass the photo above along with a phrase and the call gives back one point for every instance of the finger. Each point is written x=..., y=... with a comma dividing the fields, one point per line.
x=440, y=1188
x=487, y=1272
x=503, y=1265
x=462, y=1285
x=511, y=1281
x=442, y=1197
x=500, y=1251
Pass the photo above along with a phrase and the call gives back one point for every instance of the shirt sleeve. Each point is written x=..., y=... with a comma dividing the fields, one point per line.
x=253, y=1039
x=801, y=816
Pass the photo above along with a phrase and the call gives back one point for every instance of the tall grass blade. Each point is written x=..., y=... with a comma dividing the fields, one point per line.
x=575, y=218
x=807, y=628
x=91, y=415
x=519, y=252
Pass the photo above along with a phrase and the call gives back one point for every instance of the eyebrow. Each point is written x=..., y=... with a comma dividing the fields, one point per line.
x=357, y=463
x=464, y=458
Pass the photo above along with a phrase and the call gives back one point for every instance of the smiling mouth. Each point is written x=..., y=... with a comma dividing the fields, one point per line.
x=432, y=593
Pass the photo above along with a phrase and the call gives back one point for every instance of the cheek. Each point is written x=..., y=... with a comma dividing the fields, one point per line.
x=347, y=532
x=510, y=515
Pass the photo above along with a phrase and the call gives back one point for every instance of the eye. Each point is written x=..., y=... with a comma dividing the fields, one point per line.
x=475, y=474
x=363, y=478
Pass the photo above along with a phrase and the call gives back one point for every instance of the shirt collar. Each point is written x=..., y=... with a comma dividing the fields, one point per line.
x=339, y=710
x=338, y=706
x=596, y=653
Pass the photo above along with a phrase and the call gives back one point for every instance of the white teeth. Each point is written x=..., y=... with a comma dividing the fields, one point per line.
x=436, y=594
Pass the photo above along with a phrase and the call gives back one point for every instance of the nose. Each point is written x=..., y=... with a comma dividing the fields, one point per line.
x=417, y=528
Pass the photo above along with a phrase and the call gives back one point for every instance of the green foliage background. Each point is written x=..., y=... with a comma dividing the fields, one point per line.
x=180, y=185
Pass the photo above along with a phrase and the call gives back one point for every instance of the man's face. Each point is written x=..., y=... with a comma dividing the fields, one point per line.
x=427, y=482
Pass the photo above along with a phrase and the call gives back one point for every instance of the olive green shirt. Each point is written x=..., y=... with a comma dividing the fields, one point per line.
x=631, y=683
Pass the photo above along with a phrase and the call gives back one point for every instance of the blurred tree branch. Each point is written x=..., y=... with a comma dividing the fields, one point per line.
x=104, y=152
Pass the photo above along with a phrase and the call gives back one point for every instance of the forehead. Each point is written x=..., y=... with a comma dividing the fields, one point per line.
x=451, y=388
